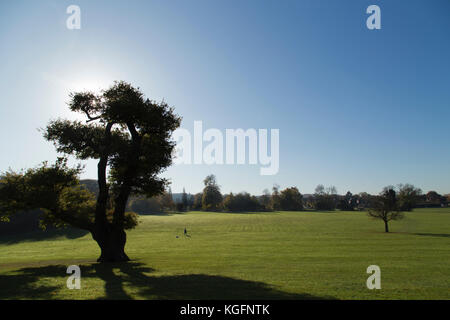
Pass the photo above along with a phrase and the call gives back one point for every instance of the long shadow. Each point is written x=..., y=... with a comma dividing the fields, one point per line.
x=164, y=214
x=69, y=233
x=247, y=212
x=440, y=235
x=23, y=284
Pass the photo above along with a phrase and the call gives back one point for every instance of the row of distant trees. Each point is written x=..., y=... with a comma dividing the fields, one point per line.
x=289, y=199
x=389, y=205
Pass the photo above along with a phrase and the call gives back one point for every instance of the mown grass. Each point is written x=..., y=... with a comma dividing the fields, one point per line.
x=279, y=255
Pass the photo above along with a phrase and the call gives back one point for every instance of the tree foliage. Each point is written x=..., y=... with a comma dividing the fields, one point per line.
x=212, y=197
x=241, y=202
x=408, y=196
x=275, y=199
x=265, y=200
x=386, y=207
x=348, y=202
x=291, y=199
x=197, y=203
x=325, y=198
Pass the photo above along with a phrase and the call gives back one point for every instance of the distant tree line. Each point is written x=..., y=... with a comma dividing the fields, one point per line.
x=289, y=199
x=386, y=206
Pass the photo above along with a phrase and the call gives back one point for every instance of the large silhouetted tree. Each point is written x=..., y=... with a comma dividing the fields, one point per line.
x=129, y=135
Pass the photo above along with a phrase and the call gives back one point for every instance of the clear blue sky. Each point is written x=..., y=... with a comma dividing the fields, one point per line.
x=356, y=108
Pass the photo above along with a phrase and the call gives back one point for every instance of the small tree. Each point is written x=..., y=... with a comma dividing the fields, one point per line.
x=197, y=201
x=275, y=201
x=433, y=197
x=229, y=202
x=325, y=199
x=365, y=200
x=264, y=200
x=291, y=199
x=143, y=205
x=408, y=196
x=54, y=189
x=211, y=198
x=386, y=207
x=166, y=200
x=241, y=202
x=184, y=200
x=347, y=203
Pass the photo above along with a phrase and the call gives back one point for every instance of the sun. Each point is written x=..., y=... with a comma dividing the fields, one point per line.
x=89, y=84
x=94, y=81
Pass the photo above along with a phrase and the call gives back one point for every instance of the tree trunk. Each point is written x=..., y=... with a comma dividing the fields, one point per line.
x=111, y=241
x=111, y=237
x=386, y=227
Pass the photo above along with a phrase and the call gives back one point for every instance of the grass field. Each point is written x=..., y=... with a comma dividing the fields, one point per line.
x=279, y=255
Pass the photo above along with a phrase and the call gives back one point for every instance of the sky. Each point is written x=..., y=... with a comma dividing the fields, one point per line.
x=356, y=108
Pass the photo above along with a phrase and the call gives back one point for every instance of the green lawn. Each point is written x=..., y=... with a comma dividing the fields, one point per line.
x=280, y=255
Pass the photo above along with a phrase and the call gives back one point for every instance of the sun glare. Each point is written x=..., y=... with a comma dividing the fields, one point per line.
x=89, y=85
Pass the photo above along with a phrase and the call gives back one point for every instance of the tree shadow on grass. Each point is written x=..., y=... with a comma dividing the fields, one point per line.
x=149, y=213
x=69, y=233
x=247, y=212
x=439, y=235
x=23, y=284
x=162, y=214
